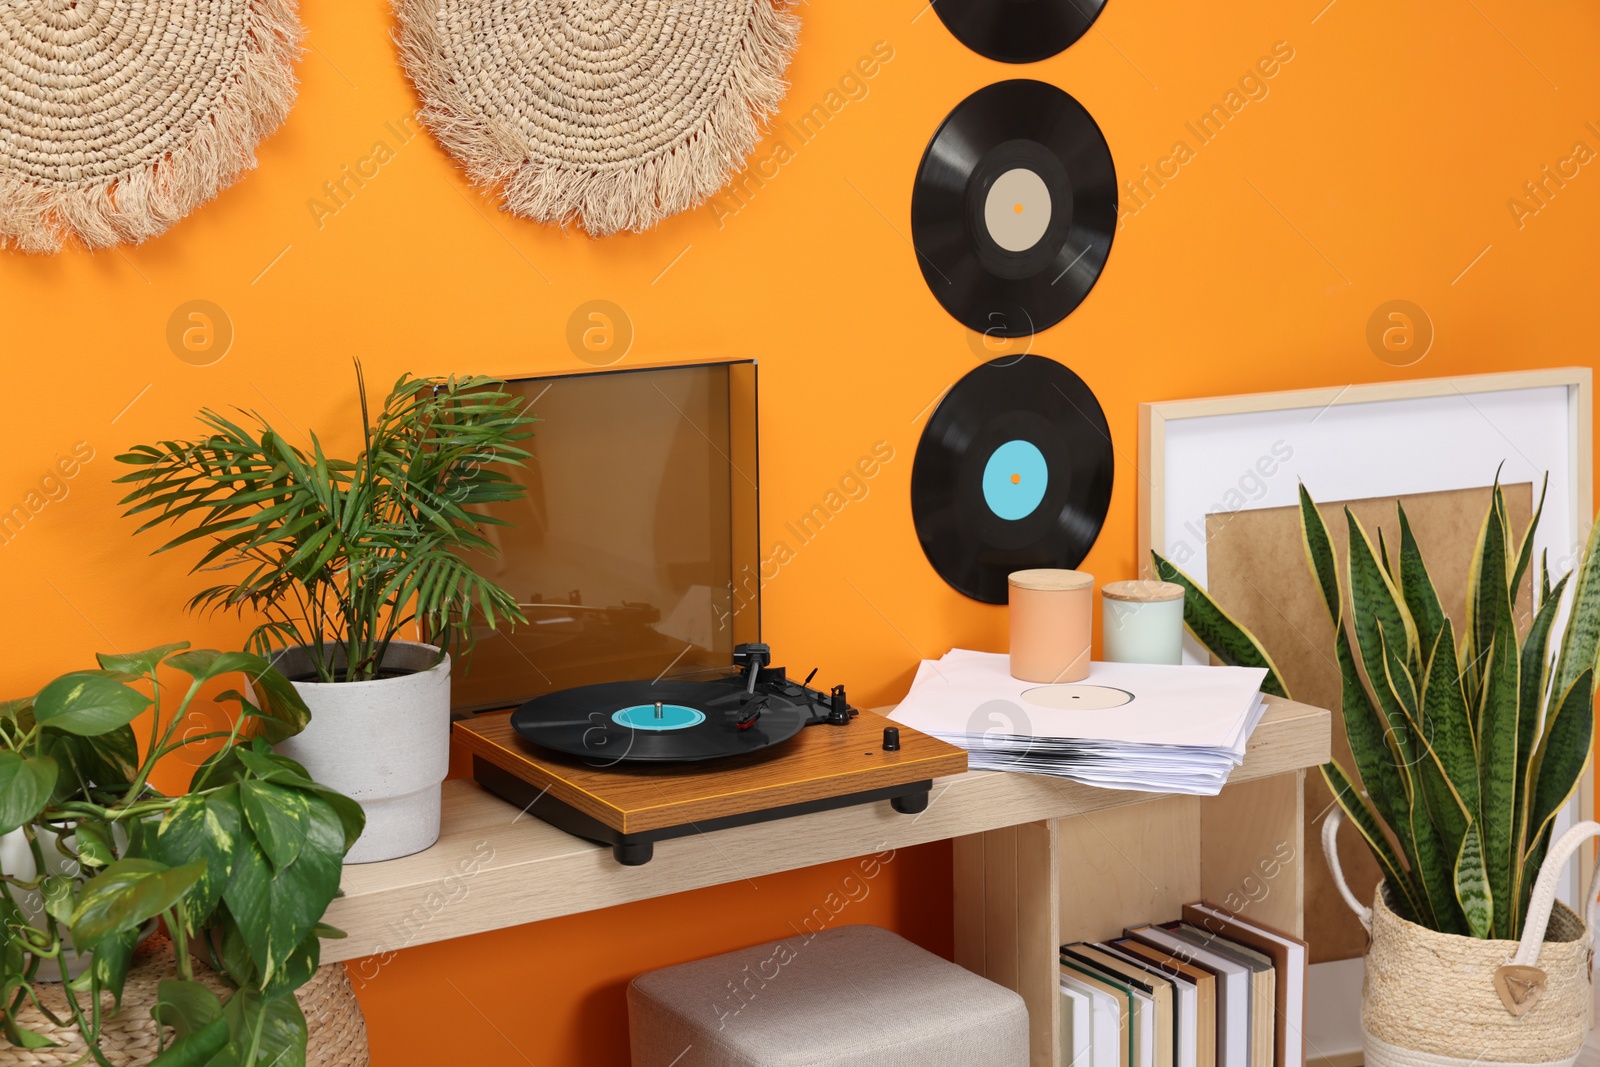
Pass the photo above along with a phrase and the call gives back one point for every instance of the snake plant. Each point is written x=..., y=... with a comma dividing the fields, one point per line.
x=1467, y=741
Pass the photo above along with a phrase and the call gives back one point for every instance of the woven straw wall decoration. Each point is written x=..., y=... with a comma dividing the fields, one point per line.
x=119, y=117
x=611, y=113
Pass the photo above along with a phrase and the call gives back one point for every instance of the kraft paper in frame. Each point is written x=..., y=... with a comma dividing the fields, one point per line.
x=1256, y=568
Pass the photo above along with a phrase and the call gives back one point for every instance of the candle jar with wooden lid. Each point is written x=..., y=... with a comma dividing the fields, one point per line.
x=1141, y=622
x=1051, y=617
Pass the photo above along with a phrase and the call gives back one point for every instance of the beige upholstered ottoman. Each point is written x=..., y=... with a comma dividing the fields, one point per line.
x=857, y=996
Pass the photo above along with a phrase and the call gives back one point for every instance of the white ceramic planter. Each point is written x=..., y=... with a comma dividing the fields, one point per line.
x=384, y=744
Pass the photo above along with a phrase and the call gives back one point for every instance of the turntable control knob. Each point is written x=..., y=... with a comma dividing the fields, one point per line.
x=891, y=739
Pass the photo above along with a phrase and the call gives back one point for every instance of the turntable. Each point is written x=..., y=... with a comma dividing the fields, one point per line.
x=628, y=764
x=643, y=491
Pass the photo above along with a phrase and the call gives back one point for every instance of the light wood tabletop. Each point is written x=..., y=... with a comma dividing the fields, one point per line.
x=494, y=867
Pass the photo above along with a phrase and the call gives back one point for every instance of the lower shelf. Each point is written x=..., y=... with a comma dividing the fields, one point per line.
x=1022, y=891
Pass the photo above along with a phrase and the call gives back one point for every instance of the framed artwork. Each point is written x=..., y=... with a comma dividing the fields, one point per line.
x=1218, y=496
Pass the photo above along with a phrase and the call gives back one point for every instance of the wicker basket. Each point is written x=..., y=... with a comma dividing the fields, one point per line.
x=337, y=1034
x=1443, y=1000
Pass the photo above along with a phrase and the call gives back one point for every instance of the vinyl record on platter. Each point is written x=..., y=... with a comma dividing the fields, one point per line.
x=1018, y=31
x=1014, y=208
x=1013, y=472
x=668, y=721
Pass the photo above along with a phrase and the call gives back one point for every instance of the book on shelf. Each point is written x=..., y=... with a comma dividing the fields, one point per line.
x=1288, y=955
x=1105, y=1019
x=1114, y=1035
x=1156, y=1023
x=1077, y=1026
x=1210, y=989
x=1205, y=987
x=1185, y=1004
x=1263, y=983
x=1233, y=991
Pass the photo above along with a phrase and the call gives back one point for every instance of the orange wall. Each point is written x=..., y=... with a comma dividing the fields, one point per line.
x=1378, y=166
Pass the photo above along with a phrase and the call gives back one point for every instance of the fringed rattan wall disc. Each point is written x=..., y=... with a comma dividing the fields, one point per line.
x=611, y=113
x=119, y=117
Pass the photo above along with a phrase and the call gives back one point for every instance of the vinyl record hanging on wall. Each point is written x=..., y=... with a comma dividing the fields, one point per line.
x=1018, y=31
x=1013, y=472
x=1014, y=208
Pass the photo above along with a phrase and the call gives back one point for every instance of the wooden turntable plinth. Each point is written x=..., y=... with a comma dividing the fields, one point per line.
x=631, y=806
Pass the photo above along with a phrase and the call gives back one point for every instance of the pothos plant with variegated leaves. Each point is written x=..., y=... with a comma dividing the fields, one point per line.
x=239, y=869
x=1467, y=745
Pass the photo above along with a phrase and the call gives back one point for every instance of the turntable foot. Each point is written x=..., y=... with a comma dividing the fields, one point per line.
x=911, y=804
x=638, y=853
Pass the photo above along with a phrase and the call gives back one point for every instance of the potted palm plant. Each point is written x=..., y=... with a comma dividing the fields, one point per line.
x=336, y=558
x=1467, y=748
x=239, y=870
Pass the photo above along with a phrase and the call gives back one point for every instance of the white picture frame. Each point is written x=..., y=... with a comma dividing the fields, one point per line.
x=1238, y=453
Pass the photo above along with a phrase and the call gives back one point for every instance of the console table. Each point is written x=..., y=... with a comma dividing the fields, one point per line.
x=1038, y=861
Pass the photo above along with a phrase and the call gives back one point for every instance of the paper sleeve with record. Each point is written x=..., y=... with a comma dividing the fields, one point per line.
x=1013, y=471
x=1014, y=208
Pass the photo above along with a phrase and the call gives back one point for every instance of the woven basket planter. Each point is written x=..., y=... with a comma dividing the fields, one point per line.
x=337, y=1033
x=1444, y=1000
